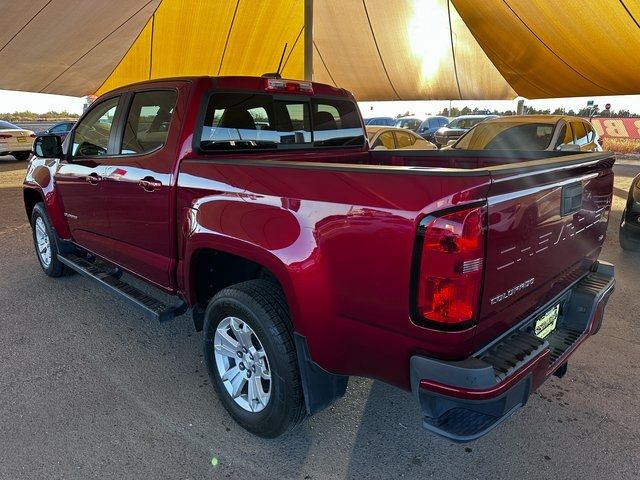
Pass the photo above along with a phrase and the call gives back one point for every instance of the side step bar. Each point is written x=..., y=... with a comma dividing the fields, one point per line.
x=153, y=308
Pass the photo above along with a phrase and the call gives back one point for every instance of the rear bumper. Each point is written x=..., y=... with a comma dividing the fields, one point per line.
x=15, y=147
x=465, y=400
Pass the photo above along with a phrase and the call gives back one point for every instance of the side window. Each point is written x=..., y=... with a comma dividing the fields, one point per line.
x=385, y=139
x=580, y=133
x=254, y=121
x=336, y=123
x=261, y=121
x=565, y=137
x=147, y=124
x=590, y=133
x=404, y=139
x=92, y=134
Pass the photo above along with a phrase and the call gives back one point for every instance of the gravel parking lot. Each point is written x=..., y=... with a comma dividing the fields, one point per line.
x=91, y=389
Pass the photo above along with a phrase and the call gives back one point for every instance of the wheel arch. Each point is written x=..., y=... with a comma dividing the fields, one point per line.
x=31, y=197
x=207, y=270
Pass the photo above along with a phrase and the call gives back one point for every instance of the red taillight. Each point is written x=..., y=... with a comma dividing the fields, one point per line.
x=287, y=86
x=2, y=135
x=32, y=135
x=451, y=266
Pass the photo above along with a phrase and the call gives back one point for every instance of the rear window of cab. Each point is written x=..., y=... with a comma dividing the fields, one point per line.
x=258, y=121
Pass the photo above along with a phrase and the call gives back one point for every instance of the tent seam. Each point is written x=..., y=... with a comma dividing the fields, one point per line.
x=25, y=25
x=153, y=24
x=97, y=44
x=629, y=13
x=453, y=53
x=226, y=42
x=375, y=41
x=553, y=51
x=324, y=64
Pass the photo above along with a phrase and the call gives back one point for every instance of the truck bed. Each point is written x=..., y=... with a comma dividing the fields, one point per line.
x=344, y=227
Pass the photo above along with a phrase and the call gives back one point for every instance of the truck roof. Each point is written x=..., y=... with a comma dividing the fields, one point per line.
x=239, y=82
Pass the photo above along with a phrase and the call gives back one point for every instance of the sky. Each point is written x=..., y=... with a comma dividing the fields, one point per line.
x=11, y=101
x=425, y=108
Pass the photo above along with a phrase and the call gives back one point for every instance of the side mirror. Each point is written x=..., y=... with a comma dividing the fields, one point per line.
x=48, y=146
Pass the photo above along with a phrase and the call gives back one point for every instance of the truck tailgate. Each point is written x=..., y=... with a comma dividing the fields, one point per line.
x=546, y=227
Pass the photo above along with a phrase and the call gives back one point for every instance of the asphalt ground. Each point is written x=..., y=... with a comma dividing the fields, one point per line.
x=91, y=389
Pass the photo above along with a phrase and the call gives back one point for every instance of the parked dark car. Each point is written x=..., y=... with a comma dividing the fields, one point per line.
x=630, y=224
x=430, y=126
x=410, y=123
x=382, y=121
x=458, y=127
x=59, y=129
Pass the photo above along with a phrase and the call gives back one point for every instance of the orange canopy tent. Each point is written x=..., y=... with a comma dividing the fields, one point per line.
x=378, y=49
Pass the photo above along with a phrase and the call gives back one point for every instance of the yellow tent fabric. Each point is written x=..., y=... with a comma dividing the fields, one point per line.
x=222, y=37
x=378, y=49
x=401, y=50
x=560, y=48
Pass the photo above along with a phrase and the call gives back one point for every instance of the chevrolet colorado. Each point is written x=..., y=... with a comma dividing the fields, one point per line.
x=465, y=277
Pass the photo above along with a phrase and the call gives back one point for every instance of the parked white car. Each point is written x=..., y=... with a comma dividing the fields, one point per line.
x=392, y=138
x=15, y=141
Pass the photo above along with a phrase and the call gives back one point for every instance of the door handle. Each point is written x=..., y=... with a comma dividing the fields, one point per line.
x=149, y=184
x=93, y=178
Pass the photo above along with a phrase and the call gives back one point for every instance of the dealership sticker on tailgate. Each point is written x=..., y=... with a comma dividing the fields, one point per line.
x=547, y=322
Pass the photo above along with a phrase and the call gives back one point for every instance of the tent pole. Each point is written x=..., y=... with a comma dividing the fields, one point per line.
x=308, y=40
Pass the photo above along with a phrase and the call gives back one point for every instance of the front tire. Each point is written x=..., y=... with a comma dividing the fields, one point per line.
x=46, y=243
x=251, y=357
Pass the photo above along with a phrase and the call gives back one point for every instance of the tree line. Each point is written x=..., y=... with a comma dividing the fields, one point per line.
x=583, y=112
x=38, y=117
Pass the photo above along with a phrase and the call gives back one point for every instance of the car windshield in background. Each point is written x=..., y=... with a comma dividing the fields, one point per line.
x=507, y=136
x=258, y=121
x=8, y=126
x=464, y=123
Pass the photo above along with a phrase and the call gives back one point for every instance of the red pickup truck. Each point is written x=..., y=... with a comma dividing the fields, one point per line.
x=466, y=277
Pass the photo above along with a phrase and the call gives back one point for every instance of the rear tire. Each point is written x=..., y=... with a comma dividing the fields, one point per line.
x=46, y=243
x=22, y=156
x=253, y=318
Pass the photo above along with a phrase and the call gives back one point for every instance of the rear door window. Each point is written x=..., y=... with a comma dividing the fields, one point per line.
x=385, y=139
x=580, y=133
x=260, y=121
x=404, y=139
x=565, y=136
x=336, y=123
x=148, y=121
